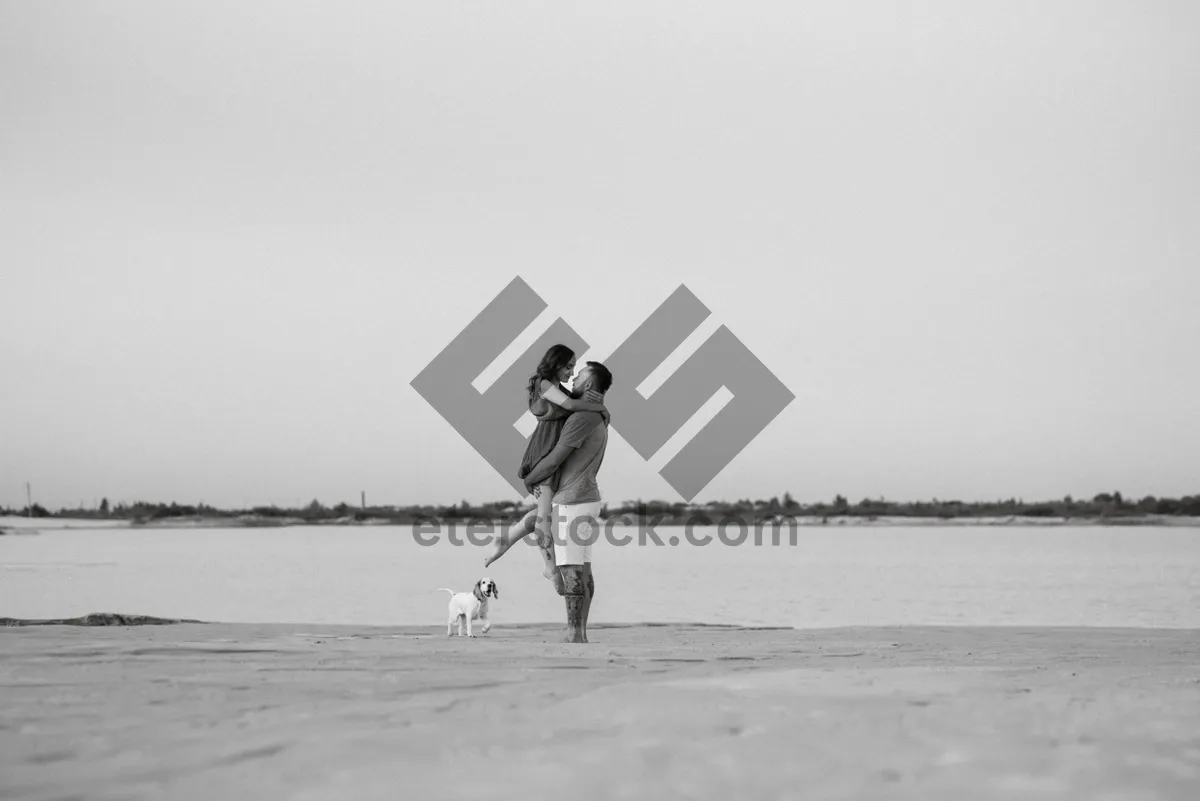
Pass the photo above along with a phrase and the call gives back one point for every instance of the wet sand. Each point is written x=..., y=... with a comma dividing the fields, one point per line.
x=204, y=711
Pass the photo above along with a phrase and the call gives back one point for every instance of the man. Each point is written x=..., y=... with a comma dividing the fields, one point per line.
x=577, y=456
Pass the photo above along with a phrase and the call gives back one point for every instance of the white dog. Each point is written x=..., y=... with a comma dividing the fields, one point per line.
x=471, y=606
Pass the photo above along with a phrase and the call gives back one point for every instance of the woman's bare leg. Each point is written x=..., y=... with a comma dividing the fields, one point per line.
x=545, y=536
x=516, y=532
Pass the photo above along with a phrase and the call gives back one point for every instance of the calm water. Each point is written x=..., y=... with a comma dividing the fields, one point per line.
x=1088, y=576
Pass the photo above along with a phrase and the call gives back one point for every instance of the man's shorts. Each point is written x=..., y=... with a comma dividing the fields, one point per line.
x=576, y=528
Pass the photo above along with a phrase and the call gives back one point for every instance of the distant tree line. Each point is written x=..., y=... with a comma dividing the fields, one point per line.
x=1104, y=505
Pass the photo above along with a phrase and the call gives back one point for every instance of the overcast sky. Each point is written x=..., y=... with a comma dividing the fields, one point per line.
x=963, y=234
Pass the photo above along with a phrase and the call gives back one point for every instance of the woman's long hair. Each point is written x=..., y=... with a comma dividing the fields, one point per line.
x=558, y=357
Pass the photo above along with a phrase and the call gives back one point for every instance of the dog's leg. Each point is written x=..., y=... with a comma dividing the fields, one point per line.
x=450, y=626
x=470, y=633
x=487, y=624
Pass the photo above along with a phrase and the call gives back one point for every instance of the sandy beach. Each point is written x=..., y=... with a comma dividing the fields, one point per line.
x=201, y=711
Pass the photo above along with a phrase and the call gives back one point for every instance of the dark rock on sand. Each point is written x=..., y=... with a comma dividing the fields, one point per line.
x=97, y=619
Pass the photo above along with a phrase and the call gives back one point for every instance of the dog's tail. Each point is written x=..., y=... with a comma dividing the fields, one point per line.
x=443, y=589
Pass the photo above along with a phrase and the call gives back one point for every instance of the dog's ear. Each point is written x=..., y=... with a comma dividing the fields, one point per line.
x=478, y=592
x=495, y=590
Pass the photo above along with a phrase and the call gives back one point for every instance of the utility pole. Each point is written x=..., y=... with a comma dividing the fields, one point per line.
x=363, y=501
x=28, y=500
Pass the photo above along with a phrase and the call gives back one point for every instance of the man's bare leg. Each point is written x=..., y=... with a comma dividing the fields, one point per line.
x=516, y=532
x=589, y=590
x=573, y=592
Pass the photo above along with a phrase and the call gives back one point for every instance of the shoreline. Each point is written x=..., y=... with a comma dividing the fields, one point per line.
x=191, y=712
x=120, y=620
x=19, y=526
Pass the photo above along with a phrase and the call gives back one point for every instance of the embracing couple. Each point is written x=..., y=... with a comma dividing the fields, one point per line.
x=562, y=460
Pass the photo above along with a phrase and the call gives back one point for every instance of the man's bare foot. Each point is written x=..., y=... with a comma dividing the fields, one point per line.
x=574, y=637
x=567, y=636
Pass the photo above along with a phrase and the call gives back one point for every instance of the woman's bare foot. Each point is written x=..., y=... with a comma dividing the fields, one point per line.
x=507, y=539
x=499, y=548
